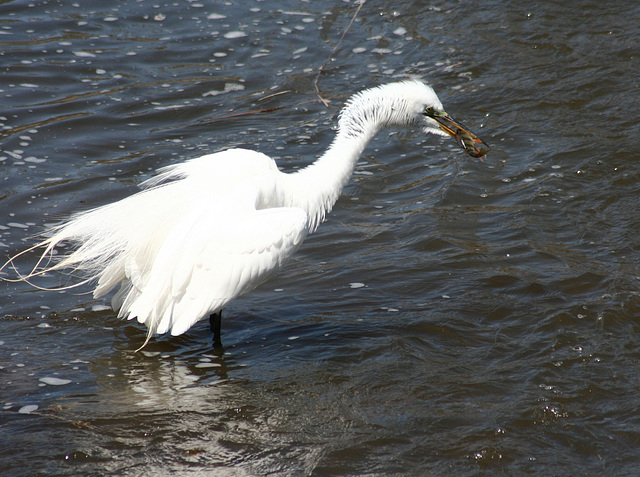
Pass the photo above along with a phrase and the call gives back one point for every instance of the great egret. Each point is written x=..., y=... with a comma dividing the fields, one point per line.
x=210, y=229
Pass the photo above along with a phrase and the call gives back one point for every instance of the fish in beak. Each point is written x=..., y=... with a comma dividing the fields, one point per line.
x=472, y=144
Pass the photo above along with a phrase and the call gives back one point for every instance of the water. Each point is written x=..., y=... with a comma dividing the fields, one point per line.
x=452, y=316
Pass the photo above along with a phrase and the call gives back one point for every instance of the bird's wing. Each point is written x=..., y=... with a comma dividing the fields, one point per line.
x=211, y=257
x=187, y=244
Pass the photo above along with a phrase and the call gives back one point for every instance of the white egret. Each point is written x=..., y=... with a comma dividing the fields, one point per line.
x=210, y=229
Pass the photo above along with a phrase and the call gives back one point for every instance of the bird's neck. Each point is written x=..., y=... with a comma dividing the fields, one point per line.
x=320, y=184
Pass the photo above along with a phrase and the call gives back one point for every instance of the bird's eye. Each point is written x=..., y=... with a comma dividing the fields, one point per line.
x=433, y=112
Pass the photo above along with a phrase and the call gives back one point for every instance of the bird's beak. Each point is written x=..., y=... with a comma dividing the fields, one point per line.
x=472, y=144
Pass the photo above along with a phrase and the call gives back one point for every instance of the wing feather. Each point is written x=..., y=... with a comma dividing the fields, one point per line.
x=211, y=258
x=200, y=233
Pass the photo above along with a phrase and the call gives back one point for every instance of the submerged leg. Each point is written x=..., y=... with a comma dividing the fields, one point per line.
x=215, y=321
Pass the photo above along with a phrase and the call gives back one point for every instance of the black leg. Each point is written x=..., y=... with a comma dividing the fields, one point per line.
x=215, y=321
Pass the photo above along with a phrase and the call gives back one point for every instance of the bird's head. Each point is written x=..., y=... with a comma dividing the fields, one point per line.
x=423, y=105
x=410, y=104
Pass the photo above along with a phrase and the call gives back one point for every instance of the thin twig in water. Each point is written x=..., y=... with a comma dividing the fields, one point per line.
x=315, y=81
x=269, y=96
x=254, y=111
x=321, y=69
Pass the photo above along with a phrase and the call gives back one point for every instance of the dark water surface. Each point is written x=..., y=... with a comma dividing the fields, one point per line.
x=452, y=316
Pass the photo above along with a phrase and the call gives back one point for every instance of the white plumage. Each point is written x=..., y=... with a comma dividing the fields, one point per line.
x=208, y=230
